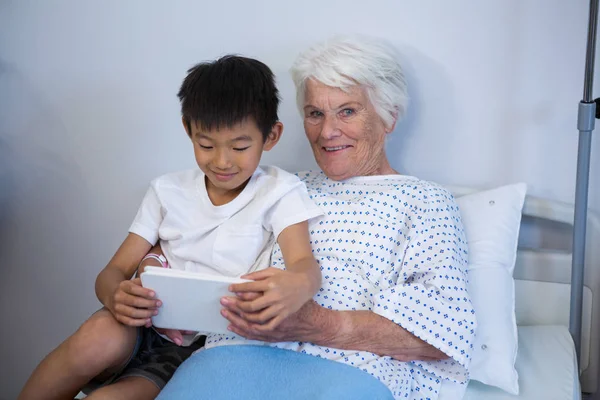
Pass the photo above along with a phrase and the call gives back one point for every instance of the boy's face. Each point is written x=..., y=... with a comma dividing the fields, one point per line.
x=229, y=156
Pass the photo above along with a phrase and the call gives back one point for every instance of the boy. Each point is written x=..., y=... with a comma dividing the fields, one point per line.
x=218, y=219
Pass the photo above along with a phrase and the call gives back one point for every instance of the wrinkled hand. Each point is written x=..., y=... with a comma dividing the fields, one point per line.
x=284, y=292
x=134, y=305
x=175, y=335
x=301, y=326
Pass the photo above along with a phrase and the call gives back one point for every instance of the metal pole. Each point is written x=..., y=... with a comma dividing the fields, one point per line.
x=590, y=53
x=585, y=124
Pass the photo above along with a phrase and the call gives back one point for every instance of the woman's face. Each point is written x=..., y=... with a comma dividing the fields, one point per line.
x=347, y=136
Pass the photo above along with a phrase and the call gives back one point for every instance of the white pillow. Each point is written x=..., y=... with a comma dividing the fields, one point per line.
x=491, y=220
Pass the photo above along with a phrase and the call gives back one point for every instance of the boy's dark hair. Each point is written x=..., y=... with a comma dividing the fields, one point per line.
x=225, y=92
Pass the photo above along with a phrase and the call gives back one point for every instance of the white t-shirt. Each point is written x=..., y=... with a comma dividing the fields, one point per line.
x=231, y=239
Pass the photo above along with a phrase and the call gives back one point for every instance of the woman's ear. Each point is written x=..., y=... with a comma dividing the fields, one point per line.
x=391, y=128
x=273, y=136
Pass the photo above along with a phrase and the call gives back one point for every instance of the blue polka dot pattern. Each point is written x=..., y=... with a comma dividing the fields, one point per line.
x=393, y=245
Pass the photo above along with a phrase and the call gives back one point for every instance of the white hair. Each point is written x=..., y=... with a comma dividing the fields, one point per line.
x=345, y=61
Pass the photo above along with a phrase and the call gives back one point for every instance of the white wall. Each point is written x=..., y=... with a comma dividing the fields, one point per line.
x=88, y=115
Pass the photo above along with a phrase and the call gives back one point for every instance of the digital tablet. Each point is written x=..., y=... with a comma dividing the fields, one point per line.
x=191, y=300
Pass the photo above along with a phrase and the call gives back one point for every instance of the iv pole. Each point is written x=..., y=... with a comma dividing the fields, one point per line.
x=585, y=123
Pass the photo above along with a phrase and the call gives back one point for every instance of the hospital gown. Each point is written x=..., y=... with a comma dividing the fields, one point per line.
x=394, y=245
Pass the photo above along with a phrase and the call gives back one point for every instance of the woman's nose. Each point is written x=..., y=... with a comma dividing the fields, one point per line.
x=330, y=128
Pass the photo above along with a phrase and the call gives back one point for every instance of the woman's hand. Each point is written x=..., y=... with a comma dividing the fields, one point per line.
x=132, y=304
x=284, y=293
x=309, y=324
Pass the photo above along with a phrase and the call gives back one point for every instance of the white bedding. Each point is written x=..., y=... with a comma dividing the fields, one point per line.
x=546, y=364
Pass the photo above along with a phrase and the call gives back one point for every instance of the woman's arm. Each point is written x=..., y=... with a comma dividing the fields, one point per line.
x=367, y=331
x=346, y=330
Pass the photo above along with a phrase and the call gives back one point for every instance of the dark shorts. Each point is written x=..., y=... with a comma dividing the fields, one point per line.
x=153, y=358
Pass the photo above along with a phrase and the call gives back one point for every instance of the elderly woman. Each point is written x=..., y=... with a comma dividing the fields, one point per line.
x=393, y=302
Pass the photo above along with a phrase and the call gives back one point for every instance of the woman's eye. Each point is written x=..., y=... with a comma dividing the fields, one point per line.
x=313, y=117
x=347, y=112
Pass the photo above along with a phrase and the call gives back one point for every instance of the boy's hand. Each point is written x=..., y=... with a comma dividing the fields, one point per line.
x=284, y=293
x=134, y=305
x=175, y=335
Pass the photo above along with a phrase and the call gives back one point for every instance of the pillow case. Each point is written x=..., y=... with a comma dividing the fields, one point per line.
x=492, y=219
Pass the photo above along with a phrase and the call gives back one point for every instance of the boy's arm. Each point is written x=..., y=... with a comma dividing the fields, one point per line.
x=294, y=242
x=285, y=291
x=128, y=301
x=151, y=262
x=175, y=335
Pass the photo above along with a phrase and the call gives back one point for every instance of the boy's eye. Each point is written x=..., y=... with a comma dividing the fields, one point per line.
x=205, y=147
x=241, y=148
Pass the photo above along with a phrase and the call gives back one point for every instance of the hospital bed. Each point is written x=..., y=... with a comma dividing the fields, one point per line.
x=546, y=359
